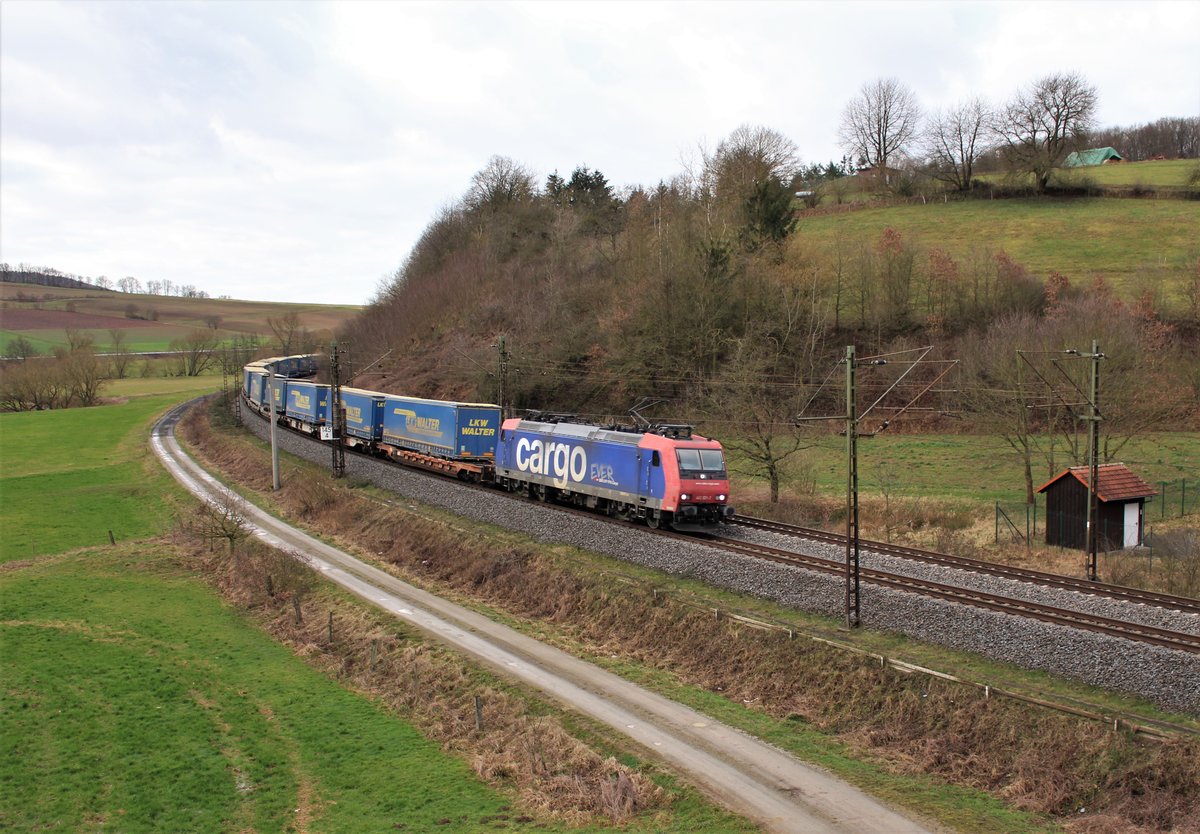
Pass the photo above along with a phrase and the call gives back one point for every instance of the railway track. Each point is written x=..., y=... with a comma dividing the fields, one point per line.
x=1058, y=616
x=978, y=599
x=1035, y=577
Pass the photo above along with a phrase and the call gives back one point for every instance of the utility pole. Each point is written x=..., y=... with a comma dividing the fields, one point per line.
x=851, y=419
x=501, y=375
x=274, y=440
x=1093, y=419
x=852, y=582
x=337, y=414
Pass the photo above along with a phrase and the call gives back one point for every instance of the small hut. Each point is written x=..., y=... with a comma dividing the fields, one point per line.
x=1121, y=498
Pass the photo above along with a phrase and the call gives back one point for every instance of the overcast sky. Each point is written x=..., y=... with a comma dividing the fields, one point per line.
x=295, y=152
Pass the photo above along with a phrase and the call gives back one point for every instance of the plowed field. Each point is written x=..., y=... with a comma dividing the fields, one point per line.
x=62, y=319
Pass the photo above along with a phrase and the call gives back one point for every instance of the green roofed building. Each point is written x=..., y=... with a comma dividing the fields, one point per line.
x=1096, y=156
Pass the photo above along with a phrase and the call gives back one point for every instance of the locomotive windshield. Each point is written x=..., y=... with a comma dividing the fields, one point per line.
x=701, y=463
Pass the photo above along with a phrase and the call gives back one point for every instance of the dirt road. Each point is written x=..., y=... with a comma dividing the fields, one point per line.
x=743, y=774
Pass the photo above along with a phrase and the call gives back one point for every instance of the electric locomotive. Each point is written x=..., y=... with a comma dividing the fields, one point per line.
x=664, y=475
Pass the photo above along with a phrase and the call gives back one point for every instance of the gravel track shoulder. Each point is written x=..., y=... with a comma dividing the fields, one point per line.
x=1163, y=676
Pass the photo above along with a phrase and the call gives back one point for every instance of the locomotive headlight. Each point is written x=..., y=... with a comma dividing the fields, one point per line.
x=683, y=496
x=720, y=497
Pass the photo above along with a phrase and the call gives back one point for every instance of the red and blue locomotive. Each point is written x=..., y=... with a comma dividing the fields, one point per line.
x=664, y=475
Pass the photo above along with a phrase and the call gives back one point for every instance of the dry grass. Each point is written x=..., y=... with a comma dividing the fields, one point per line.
x=1173, y=566
x=551, y=772
x=1040, y=761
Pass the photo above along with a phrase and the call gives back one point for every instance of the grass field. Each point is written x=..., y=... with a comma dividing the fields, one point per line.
x=1162, y=173
x=1168, y=174
x=1134, y=244
x=135, y=701
x=139, y=340
x=72, y=475
x=979, y=468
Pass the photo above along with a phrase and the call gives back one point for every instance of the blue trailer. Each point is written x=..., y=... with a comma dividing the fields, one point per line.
x=364, y=416
x=291, y=366
x=254, y=383
x=279, y=387
x=308, y=405
x=454, y=431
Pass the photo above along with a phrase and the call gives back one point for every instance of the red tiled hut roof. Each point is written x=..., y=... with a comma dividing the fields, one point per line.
x=1114, y=482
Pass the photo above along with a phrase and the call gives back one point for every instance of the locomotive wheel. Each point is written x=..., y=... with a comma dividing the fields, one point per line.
x=653, y=519
x=539, y=492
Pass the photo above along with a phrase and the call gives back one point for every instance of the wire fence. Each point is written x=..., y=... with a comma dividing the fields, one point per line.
x=1174, y=499
x=1026, y=523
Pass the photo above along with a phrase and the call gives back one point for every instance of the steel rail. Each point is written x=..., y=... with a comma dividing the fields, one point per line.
x=1049, y=614
x=978, y=599
x=1185, y=605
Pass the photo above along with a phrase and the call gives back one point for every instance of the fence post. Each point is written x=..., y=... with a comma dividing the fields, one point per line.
x=1162, y=513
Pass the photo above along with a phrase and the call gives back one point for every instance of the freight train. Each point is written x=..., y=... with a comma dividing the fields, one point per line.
x=665, y=475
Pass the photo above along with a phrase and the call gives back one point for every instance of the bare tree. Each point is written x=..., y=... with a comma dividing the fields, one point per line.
x=1045, y=122
x=750, y=155
x=501, y=182
x=1004, y=393
x=954, y=139
x=224, y=520
x=78, y=340
x=288, y=331
x=21, y=348
x=119, y=347
x=30, y=387
x=756, y=390
x=84, y=376
x=748, y=181
x=879, y=123
x=764, y=436
x=238, y=353
x=196, y=351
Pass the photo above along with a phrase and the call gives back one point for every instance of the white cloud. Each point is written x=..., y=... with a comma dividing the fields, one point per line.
x=297, y=151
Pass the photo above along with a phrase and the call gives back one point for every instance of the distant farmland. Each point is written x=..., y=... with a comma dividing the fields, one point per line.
x=150, y=322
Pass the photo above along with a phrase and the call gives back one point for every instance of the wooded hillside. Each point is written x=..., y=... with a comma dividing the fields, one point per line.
x=709, y=291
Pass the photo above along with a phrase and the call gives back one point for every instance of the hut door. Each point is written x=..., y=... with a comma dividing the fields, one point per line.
x=1132, y=525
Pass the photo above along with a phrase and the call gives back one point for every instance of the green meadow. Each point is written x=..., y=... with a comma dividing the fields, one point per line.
x=1168, y=174
x=72, y=475
x=1133, y=244
x=137, y=339
x=980, y=469
x=1158, y=174
x=136, y=700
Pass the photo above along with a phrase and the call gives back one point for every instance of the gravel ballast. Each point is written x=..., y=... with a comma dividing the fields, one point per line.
x=1166, y=677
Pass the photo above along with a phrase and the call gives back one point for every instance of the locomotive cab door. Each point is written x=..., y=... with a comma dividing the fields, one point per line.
x=646, y=479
